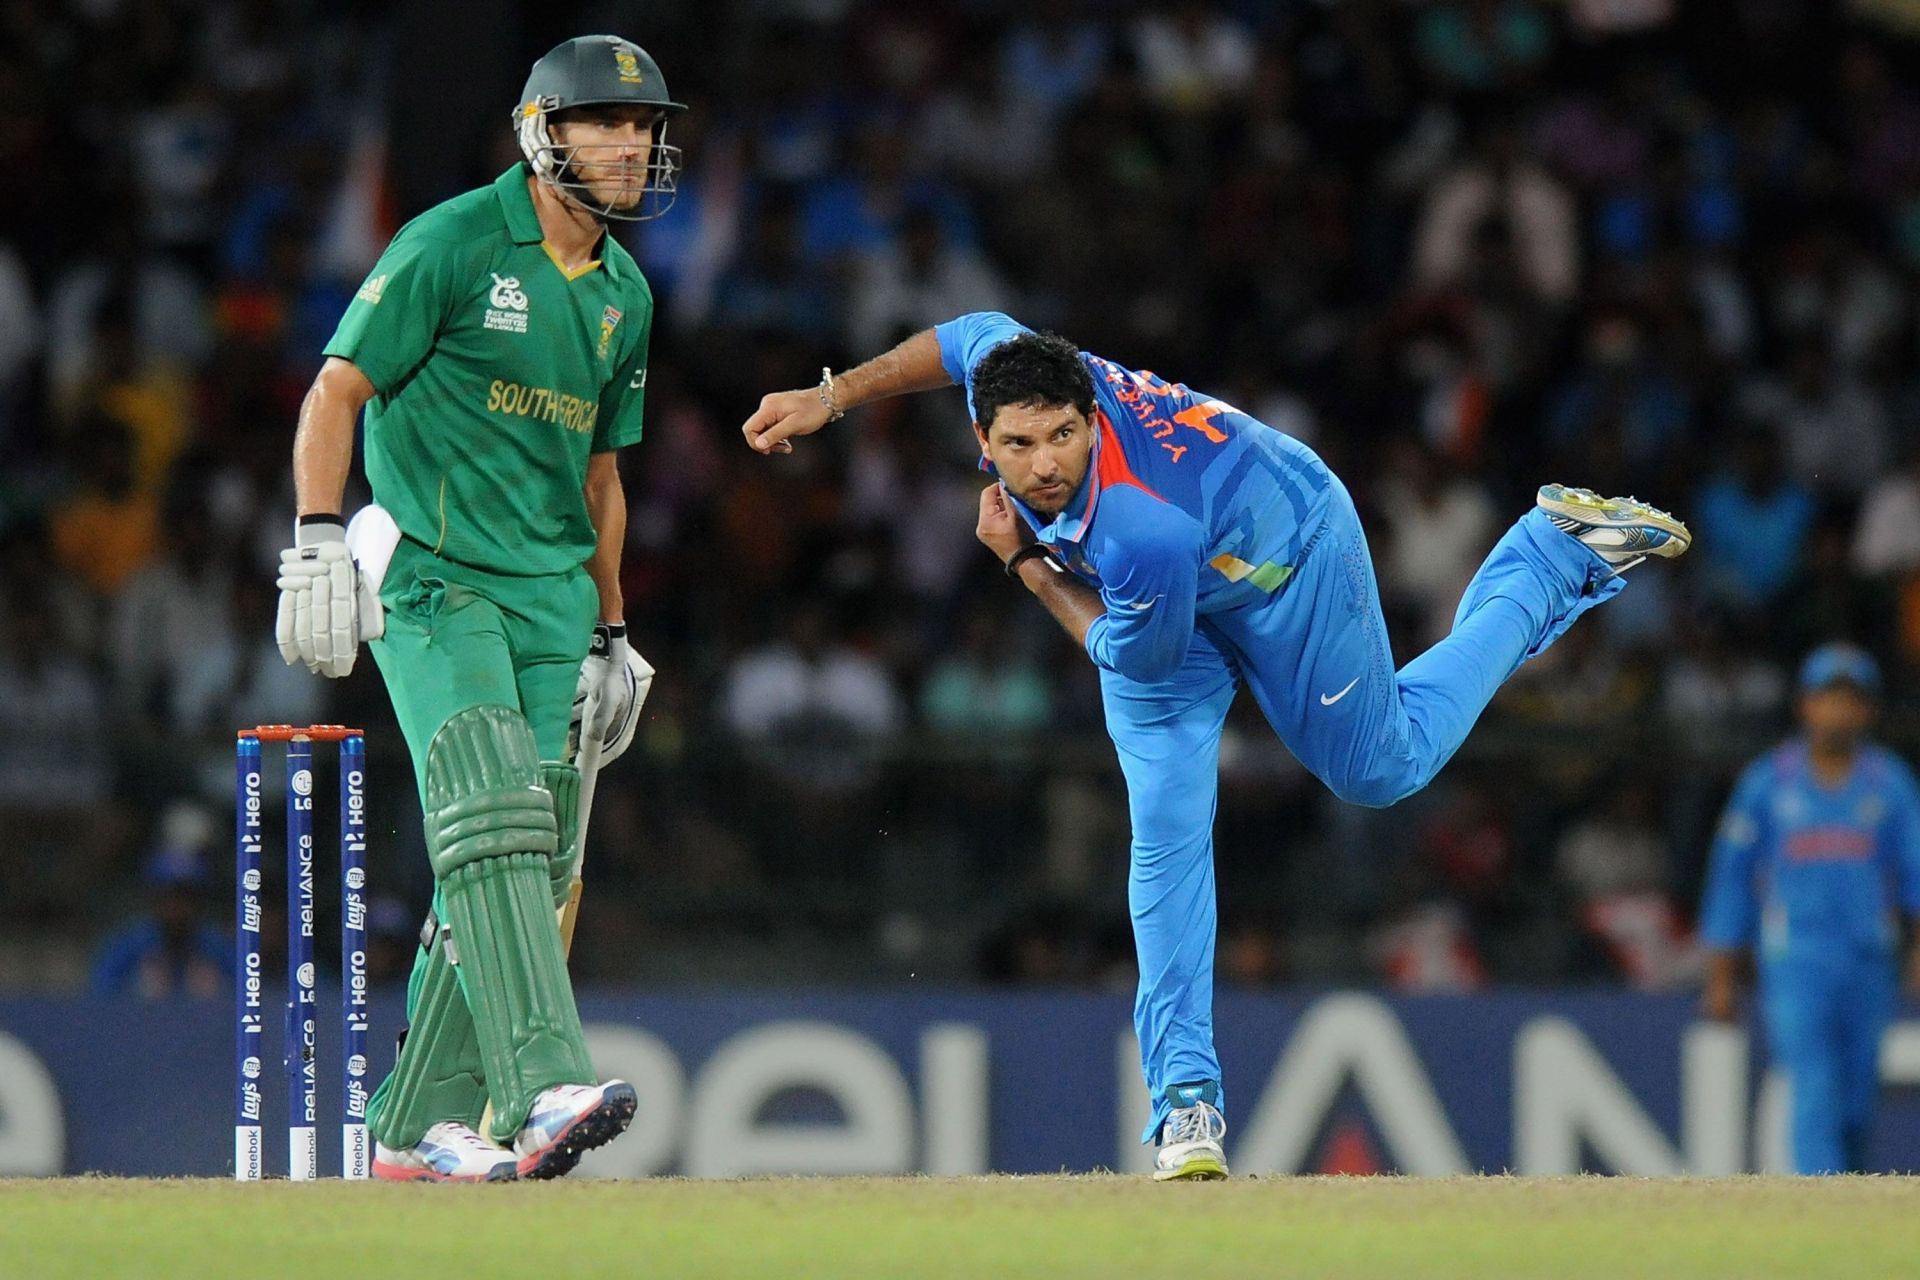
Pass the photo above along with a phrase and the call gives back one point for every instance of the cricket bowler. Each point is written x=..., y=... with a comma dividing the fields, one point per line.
x=499, y=350
x=1189, y=548
x=1816, y=859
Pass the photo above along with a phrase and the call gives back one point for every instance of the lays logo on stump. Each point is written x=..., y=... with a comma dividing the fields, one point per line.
x=608, y=319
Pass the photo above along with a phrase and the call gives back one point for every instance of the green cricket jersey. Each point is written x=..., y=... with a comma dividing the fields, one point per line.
x=496, y=373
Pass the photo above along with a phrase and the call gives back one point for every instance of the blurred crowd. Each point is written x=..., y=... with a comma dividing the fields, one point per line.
x=1461, y=247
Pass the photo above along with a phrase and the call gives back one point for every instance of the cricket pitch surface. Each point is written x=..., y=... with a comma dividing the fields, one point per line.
x=1097, y=1225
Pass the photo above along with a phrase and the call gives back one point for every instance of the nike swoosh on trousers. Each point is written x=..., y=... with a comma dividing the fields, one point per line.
x=1325, y=701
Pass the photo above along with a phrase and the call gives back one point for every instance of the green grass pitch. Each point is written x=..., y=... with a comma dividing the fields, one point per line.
x=1056, y=1227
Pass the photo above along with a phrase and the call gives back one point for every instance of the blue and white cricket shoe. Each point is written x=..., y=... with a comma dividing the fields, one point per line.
x=569, y=1120
x=449, y=1152
x=1621, y=531
x=1190, y=1138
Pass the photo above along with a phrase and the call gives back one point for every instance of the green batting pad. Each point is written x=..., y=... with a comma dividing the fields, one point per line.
x=562, y=782
x=484, y=799
x=438, y=1076
x=506, y=948
x=491, y=834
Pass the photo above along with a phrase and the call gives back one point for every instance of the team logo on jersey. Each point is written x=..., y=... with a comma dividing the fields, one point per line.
x=629, y=66
x=608, y=319
x=508, y=312
x=370, y=291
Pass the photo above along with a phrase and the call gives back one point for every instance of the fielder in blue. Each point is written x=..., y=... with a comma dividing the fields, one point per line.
x=1817, y=856
x=1192, y=549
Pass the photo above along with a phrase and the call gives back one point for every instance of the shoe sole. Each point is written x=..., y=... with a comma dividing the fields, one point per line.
x=505, y=1171
x=1198, y=1169
x=1590, y=508
x=595, y=1128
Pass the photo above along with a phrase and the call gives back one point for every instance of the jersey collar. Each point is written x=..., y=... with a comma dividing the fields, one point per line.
x=523, y=224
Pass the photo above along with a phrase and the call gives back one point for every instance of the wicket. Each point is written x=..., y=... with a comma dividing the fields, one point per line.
x=299, y=1045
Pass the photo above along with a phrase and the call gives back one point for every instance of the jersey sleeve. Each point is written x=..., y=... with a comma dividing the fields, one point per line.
x=1903, y=834
x=1148, y=583
x=393, y=321
x=1730, y=907
x=965, y=339
x=619, y=423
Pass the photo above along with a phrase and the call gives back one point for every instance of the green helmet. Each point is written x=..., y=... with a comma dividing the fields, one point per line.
x=598, y=71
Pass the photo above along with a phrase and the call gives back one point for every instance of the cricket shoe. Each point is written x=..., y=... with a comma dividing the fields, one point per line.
x=1621, y=531
x=1190, y=1137
x=569, y=1120
x=448, y=1152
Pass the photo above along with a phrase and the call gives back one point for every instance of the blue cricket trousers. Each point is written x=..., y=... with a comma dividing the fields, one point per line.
x=1315, y=655
x=1826, y=1009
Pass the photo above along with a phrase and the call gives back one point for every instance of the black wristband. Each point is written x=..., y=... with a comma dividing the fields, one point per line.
x=319, y=517
x=1026, y=553
x=604, y=634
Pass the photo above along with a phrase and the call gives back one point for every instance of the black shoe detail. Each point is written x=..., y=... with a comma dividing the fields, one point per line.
x=595, y=1129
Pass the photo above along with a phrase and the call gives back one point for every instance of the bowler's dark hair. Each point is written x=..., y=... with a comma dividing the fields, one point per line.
x=1039, y=370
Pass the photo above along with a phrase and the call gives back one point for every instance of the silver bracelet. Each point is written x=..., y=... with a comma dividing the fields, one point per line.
x=827, y=397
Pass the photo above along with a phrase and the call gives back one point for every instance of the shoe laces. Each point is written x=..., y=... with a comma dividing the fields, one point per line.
x=455, y=1134
x=1201, y=1122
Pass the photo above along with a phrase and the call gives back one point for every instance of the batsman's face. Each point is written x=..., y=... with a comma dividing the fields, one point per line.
x=608, y=149
x=1041, y=452
x=1836, y=717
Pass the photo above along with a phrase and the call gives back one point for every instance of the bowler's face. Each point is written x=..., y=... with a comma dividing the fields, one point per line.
x=1041, y=452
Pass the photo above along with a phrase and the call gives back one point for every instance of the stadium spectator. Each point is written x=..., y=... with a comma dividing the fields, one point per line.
x=1482, y=45
x=1833, y=427
x=989, y=690
x=20, y=340
x=1499, y=199
x=109, y=526
x=1615, y=867
x=1194, y=58
x=1441, y=524
x=1052, y=57
x=916, y=282
x=1622, y=410
x=173, y=631
x=1887, y=542
x=810, y=703
x=1752, y=521
x=123, y=292
x=173, y=949
x=772, y=288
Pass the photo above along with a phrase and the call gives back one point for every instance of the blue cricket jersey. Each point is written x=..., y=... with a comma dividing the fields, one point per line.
x=1813, y=868
x=1190, y=507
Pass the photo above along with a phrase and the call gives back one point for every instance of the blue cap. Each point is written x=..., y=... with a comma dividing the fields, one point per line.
x=1839, y=663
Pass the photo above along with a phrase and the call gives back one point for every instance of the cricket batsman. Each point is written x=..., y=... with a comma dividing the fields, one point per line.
x=1817, y=855
x=1189, y=548
x=499, y=350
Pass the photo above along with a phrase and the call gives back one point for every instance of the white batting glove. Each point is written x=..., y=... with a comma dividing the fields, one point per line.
x=622, y=678
x=321, y=590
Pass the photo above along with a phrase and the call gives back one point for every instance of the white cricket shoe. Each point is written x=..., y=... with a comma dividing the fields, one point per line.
x=569, y=1120
x=1190, y=1147
x=448, y=1152
x=1622, y=531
